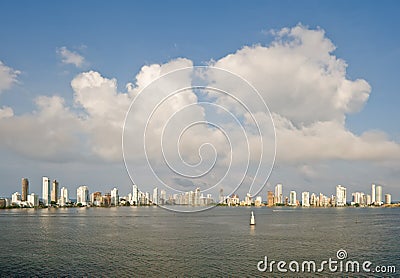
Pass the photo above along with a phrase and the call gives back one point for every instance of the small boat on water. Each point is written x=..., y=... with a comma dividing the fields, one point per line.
x=252, y=219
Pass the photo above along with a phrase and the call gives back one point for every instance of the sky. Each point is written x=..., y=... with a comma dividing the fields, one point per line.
x=327, y=70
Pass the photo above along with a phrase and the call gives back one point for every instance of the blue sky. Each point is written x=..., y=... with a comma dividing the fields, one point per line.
x=117, y=39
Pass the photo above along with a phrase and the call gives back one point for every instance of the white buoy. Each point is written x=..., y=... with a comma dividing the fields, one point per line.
x=252, y=219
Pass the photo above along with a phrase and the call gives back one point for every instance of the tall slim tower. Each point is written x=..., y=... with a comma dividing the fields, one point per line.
x=54, y=191
x=373, y=200
x=114, y=197
x=292, y=198
x=340, y=196
x=25, y=189
x=82, y=195
x=305, y=199
x=378, y=200
x=135, y=195
x=46, y=198
x=279, y=193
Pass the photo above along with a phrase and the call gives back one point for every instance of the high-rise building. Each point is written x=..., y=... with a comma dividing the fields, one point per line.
x=135, y=195
x=155, y=196
x=46, y=196
x=163, y=197
x=82, y=195
x=373, y=192
x=25, y=189
x=378, y=196
x=279, y=193
x=63, y=197
x=16, y=198
x=114, y=197
x=388, y=199
x=292, y=198
x=305, y=199
x=258, y=201
x=270, y=198
x=33, y=200
x=340, y=196
x=54, y=191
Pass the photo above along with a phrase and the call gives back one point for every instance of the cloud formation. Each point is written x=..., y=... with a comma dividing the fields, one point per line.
x=304, y=84
x=70, y=57
x=8, y=77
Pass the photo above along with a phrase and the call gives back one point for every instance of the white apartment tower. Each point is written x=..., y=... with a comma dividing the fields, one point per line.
x=46, y=192
x=305, y=199
x=378, y=196
x=82, y=195
x=63, y=197
x=278, y=193
x=114, y=197
x=155, y=196
x=373, y=192
x=340, y=196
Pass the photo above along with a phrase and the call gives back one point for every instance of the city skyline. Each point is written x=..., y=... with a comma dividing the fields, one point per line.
x=65, y=91
x=196, y=197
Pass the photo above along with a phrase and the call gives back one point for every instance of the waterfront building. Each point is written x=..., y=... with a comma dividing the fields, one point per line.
x=106, y=200
x=114, y=197
x=46, y=193
x=279, y=193
x=25, y=189
x=63, y=197
x=155, y=198
x=96, y=198
x=33, y=200
x=270, y=198
x=305, y=199
x=373, y=194
x=378, y=196
x=135, y=195
x=163, y=197
x=258, y=201
x=16, y=198
x=340, y=196
x=388, y=199
x=54, y=192
x=292, y=198
x=82, y=195
x=247, y=199
x=232, y=200
x=313, y=200
x=369, y=200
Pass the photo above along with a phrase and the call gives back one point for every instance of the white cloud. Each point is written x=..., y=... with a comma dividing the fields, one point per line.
x=6, y=112
x=8, y=77
x=302, y=81
x=70, y=57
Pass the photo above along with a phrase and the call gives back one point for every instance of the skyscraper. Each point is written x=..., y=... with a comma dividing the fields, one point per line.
x=340, y=196
x=388, y=199
x=305, y=199
x=378, y=196
x=135, y=195
x=155, y=196
x=82, y=195
x=54, y=191
x=46, y=198
x=373, y=194
x=270, y=198
x=292, y=198
x=25, y=189
x=114, y=197
x=279, y=193
x=63, y=196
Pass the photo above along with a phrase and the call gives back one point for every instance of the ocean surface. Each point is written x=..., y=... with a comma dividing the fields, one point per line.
x=154, y=242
